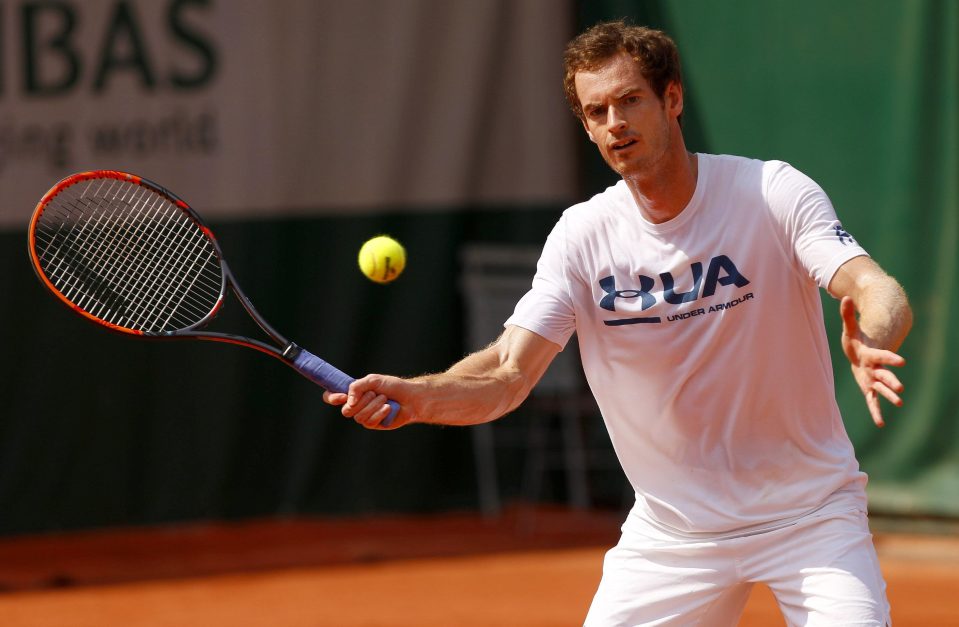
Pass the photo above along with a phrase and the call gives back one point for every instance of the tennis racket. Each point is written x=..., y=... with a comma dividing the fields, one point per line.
x=131, y=256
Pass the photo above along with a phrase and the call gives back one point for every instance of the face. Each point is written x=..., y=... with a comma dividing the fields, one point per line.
x=631, y=126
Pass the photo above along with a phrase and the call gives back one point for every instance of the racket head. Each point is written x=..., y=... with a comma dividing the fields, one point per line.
x=127, y=254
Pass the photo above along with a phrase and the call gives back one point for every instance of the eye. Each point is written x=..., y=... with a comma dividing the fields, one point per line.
x=631, y=100
x=595, y=113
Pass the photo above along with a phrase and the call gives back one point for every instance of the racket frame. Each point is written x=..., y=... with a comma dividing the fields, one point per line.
x=284, y=350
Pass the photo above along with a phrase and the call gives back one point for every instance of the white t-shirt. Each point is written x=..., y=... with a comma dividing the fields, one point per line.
x=702, y=339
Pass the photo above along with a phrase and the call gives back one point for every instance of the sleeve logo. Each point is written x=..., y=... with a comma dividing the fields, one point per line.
x=844, y=237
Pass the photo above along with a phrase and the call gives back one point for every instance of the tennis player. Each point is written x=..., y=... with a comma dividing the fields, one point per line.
x=692, y=285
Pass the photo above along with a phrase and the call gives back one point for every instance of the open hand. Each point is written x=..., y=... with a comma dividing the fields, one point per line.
x=869, y=364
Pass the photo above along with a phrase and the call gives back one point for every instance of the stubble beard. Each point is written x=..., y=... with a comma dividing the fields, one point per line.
x=648, y=164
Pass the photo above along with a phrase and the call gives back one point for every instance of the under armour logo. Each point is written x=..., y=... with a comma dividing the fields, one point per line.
x=843, y=235
x=720, y=272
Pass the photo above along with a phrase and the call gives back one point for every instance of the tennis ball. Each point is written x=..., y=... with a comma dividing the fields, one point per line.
x=382, y=259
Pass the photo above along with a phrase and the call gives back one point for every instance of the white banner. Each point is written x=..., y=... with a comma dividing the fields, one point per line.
x=247, y=107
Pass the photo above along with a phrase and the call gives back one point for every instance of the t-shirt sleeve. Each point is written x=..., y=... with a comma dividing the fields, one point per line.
x=813, y=234
x=547, y=309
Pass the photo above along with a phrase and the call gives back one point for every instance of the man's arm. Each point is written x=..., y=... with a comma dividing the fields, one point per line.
x=481, y=387
x=884, y=321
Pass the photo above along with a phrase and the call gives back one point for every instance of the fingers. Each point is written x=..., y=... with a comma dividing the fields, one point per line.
x=366, y=403
x=887, y=393
x=878, y=357
x=872, y=402
x=364, y=407
x=365, y=411
x=876, y=380
x=880, y=378
x=334, y=398
x=890, y=382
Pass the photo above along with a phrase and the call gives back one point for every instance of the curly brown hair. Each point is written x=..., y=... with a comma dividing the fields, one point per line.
x=655, y=52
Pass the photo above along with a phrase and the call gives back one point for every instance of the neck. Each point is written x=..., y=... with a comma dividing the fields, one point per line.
x=662, y=193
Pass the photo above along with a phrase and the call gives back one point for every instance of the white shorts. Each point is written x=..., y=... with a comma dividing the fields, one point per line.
x=822, y=569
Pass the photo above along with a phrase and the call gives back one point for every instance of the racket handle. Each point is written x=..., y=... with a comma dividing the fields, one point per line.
x=331, y=378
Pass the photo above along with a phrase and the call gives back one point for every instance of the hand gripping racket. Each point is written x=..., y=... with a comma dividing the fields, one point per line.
x=131, y=256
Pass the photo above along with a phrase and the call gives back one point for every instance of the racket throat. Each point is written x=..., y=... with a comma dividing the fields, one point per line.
x=291, y=352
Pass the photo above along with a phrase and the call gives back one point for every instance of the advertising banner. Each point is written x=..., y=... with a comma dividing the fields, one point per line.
x=293, y=106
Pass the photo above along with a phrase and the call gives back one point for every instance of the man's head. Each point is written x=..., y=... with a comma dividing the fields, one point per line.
x=625, y=85
x=654, y=52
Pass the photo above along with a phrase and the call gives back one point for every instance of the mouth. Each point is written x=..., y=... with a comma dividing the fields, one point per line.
x=622, y=144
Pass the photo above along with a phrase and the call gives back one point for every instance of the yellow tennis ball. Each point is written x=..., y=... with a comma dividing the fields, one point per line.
x=382, y=259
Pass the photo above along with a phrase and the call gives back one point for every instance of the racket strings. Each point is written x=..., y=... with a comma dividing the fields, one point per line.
x=88, y=241
x=142, y=269
x=129, y=256
x=86, y=283
x=152, y=269
x=89, y=277
x=157, y=275
x=148, y=269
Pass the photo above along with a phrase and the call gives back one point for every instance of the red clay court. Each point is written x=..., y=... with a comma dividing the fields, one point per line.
x=528, y=568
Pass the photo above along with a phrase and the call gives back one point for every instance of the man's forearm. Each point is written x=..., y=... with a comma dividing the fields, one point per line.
x=487, y=384
x=475, y=390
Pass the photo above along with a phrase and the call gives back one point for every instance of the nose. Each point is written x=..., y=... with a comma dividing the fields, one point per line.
x=615, y=120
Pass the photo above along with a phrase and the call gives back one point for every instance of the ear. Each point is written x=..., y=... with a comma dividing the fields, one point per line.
x=673, y=99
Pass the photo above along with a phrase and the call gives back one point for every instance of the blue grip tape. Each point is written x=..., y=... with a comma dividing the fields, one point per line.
x=331, y=378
